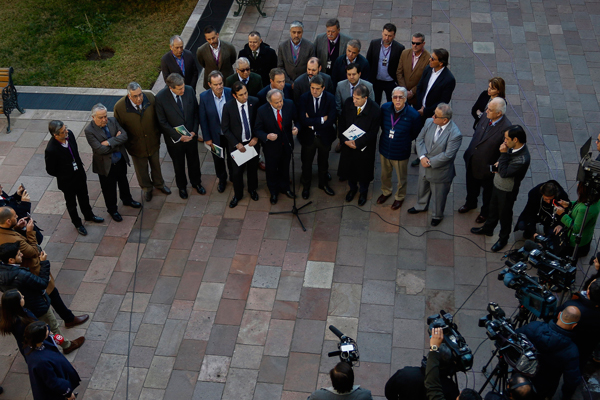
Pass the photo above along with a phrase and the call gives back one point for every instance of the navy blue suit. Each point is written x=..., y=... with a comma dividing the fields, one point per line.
x=338, y=71
x=288, y=93
x=440, y=92
x=211, y=130
x=278, y=153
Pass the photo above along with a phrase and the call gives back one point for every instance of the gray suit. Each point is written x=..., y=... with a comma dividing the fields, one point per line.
x=342, y=92
x=321, y=48
x=101, y=160
x=285, y=60
x=435, y=181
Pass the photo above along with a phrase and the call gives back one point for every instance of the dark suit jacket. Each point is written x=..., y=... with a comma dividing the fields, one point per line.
x=288, y=93
x=440, y=92
x=59, y=162
x=481, y=105
x=168, y=65
x=263, y=63
x=484, y=150
x=393, y=58
x=102, y=158
x=254, y=83
x=326, y=130
x=209, y=116
x=321, y=48
x=338, y=71
x=286, y=61
x=302, y=85
x=169, y=115
x=207, y=60
x=267, y=123
x=231, y=124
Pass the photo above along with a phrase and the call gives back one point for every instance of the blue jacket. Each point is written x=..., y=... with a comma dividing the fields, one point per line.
x=405, y=131
x=209, y=116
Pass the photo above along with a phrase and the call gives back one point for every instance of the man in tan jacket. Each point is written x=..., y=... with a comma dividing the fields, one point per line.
x=412, y=63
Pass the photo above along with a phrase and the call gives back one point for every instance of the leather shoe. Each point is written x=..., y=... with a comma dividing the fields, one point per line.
x=415, y=162
x=480, y=219
x=81, y=230
x=328, y=191
x=254, y=195
x=351, y=195
x=290, y=194
x=397, y=204
x=465, y=209
x=413, y=210
x=338, y=147
x=96, y=219
x=362, y=199
x=221, y=186
x=200, y=189
x=262, y=166
x=132, y=203
x=148, y=195
x=383, y=198
x=435, y=221
x=499, y=245
x=117, y=217
x=77, y=321
x=233, y=202
x=75, y=344
x=481, y=231
x=329, y=176
x=273, y=199
x=165, y=190
x=183, y=193
x=305, y=193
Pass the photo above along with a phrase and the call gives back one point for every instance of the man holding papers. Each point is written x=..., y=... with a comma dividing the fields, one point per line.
x=276, y=131
x=357, y=161
x=176, y=106
x=237, y=124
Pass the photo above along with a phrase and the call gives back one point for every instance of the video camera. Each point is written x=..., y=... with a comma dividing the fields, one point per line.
x=347, y=347
x=462, y=357
x=513, y=347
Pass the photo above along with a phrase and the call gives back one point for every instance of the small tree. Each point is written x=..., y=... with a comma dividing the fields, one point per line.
x=101, y=24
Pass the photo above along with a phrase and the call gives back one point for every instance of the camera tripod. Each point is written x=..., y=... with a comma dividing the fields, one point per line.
x=522, y=318
x=500, y=373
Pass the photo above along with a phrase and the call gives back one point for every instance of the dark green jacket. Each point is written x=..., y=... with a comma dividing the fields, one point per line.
x=433, y=383
x=574, y=219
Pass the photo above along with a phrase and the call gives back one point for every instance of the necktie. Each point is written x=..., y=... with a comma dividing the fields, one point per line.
x=246, y=125
x=316, y=105
x=351, y=90
x=254, y=53
x=246, y=81
x=180, y=105
x=358, y=110
x=116, y=156
x=438, y=132
x=279, y=120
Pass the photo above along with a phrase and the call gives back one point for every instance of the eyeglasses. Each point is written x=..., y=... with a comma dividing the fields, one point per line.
x=244, y=70
x=597, y=141
x=436, y=117
x=417, y=43
x=398, y=97
x=433, y=59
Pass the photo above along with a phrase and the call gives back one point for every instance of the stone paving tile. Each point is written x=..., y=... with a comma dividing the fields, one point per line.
x=107, y=372
x=214, y=369
x=159, y=372
x=302, y=371
x=190, y=355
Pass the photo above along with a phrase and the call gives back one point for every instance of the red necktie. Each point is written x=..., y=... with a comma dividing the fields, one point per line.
x=279, y=119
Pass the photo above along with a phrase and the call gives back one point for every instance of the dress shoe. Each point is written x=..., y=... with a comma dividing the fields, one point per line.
x=329, y=178
x=328, y=191
x=338, y=147
x=81, y=230
x=117, y=217
x=413, y=210
x=221, y=186
x=351, y=195
x=233, y=202
x=262, y=166
x=465, y=209
x=75, y=344
x=273, y=199
x=305, y=193
x=254, y=195
x=499, y=245
x=481, y=231
x=165, y=190
x=183, y=193
x=148, y=195
x=132, y=203
x=95, y=218
x=480, y=219
x=397, y=204
x=435, y=221
x=290, y=194
x=362, y=199
x=415, y=162
x=383, y=198
x=77, y=321
x=200, y=189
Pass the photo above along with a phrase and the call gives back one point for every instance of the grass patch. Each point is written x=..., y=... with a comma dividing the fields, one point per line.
x=47, y=41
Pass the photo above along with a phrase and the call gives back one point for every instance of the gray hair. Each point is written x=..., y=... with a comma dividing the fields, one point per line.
x=445, y=109
x=174, y=38
x=255, y=33
x=297, y=24
x=133, y=86
x=214, y=73
x=500, y=104
x=174, y=80
x=419, y=35
x=400, y=89
x=55, y=126
x=354, y=43
x=241, y=60
x=271, y=92
x=98, y=107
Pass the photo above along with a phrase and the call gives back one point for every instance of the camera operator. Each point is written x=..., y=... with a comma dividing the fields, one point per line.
x=518, y=387
x=540, y=208
x=433, y=383
x=343, y=387
x=408, y=383
x=556, y=353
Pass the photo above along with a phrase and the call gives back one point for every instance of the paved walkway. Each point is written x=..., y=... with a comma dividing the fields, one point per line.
x=234, y=303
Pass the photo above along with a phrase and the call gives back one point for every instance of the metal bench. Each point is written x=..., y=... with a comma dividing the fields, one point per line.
x=9, y=99
x=247, y=3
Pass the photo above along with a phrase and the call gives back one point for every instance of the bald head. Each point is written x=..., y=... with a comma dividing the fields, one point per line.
x=568, y=318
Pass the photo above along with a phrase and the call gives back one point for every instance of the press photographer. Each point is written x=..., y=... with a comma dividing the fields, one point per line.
x=408, y=383
x=343, y=387
x=540, y=209
x=518, y=387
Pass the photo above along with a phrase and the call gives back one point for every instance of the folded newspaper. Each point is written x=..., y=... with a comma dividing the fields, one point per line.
x=215, y=149
x=354, y=132
x=182, y=130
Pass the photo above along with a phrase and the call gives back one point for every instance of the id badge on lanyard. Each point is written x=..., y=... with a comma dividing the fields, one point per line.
x=392, y=133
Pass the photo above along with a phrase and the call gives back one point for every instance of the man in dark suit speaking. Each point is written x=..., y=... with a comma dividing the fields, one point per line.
x=181, y=61
x=176, y=105
x=436, y=85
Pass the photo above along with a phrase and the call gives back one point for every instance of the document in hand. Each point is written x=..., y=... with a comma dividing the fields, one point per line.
x=182, y=130
x=215, y=149
x=241, y=158
x=354, y=132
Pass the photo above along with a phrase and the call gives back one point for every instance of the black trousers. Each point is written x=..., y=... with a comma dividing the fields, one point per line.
x=307, y=154
x=277, y=169
x=117, y=176
x=474, y=187
x=501, y=210
x=362, y=187
x=77, y=191
x=383, y=86
x=237, y=172
x=220, y=169
x=179, y=153
x=59, y=306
